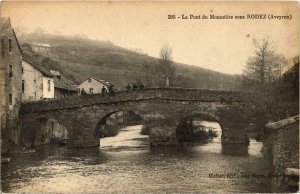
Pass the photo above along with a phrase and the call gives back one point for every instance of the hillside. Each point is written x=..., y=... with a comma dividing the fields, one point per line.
x=79, y=58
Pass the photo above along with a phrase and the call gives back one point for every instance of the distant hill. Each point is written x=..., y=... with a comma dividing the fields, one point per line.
x=79, y=58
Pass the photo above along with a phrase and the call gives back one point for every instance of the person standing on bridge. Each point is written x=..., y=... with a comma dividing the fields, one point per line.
x=83, y=92
x=103, y=90
x=141, y=85
x=111, y=89
x=134, y=86
x=128, y=87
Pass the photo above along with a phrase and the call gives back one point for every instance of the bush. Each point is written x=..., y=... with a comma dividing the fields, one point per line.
x=145, y=130
x=212, y=133
x=109, y=131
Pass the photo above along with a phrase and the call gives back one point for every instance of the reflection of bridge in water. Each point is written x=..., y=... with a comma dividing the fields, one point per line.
x=166, y=108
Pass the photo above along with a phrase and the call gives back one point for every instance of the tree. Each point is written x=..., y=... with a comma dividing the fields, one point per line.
x=165, y=66
x=165, y=61
x=157, y=71
x=261, y=80
x=265, y=66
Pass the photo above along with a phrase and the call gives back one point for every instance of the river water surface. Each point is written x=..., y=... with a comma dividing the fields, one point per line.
x=126, y=163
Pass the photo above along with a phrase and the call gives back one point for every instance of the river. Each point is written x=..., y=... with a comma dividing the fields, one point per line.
x=126, y=163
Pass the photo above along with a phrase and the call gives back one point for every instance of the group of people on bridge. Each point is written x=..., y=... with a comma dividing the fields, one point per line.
x=104, y=90
x=135, y=86
x=110, y=88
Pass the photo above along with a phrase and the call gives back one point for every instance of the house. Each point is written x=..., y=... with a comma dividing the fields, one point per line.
x=10, y=84
x=92, y=86
x=62, y=86
x=37, y=82
x=41, y=47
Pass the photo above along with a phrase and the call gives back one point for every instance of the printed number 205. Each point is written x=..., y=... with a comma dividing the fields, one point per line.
x=171, y=17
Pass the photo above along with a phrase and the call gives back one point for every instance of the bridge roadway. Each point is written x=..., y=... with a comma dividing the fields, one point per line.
x=163, y=107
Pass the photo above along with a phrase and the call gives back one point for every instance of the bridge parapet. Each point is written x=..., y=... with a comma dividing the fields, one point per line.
x=179, y=94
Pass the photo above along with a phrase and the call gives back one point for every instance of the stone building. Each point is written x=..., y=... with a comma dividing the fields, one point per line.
x=62, y=86
x=10, y=84
x=37, y=82
x=41, y=47
x=92, y=86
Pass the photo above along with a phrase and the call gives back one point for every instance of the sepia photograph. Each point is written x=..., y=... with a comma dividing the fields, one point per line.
x=149, y=96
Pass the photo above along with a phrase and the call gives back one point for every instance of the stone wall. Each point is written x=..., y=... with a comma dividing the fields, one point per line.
x=10, y=85
x=282, y=145
x=33, y=83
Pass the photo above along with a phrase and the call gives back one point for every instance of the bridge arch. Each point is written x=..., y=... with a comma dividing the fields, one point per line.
x=49, y=130
x=185, y=128
x=117, y=118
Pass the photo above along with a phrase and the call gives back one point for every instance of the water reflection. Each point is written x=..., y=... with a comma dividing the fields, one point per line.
x=235, y=149
x=126, y=164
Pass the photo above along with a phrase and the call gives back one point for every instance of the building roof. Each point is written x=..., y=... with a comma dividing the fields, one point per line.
x=4, y=21
x=55, y=73
x=17, y=42
x=41, y=44
x=62, y=82
x=38, y=66
x=99, y=80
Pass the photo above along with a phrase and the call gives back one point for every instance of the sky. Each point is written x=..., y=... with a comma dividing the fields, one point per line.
x=222, y=45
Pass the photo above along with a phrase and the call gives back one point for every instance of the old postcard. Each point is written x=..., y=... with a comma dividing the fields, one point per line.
x=149, y=96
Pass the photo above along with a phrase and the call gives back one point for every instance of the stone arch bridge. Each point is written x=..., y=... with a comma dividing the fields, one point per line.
x=159, y=107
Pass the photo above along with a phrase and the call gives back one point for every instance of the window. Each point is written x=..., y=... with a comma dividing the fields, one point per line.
x=91, y=90
x=23, y=86
x=10, y=99
x=2, y=48
x=9, y=45
x=78, y=90
x=90, y=80
x=49, y=85
x=10, y=71
x=34, y=81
